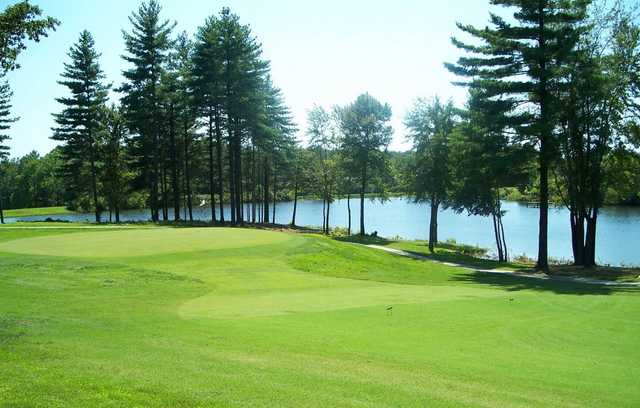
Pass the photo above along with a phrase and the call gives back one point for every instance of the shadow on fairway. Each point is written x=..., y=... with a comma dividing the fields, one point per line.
x=516, y=283
x=446, y=253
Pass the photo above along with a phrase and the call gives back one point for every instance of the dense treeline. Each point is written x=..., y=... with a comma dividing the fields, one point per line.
x=551, y=117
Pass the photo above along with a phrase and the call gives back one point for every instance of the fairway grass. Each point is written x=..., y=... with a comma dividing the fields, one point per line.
x=235, y=317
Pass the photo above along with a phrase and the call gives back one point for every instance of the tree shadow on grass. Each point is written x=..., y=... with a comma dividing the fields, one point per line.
x=512, y=283
x=365, y=240
x=464, y=255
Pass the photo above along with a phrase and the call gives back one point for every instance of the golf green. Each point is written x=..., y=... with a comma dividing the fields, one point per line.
x=183, y=317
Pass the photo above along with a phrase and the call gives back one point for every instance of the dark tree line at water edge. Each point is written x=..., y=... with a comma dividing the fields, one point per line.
x=551, y=117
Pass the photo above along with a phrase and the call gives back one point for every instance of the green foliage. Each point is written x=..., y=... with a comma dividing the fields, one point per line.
x=32, y=181
x=366, y=134
x=20, y=22
x=430, y=125
x=518, y=67
x=5, y=118
x=147, y=47
x=80, y=120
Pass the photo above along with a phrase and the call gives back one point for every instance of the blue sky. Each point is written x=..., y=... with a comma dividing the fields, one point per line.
x=325, y=52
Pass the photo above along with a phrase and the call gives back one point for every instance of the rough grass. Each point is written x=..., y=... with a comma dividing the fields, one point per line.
x=30, y=212
x=298, y=321
x=474, y=257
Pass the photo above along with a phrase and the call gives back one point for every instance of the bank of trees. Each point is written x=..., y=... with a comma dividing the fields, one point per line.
x=19, y=23
x=558, y=78
x=199, y=123
x=195, y=115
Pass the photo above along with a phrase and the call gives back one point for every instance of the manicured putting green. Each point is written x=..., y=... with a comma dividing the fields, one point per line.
x=142, y=242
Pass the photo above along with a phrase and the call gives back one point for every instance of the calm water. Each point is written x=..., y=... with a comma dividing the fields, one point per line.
x=618, y=227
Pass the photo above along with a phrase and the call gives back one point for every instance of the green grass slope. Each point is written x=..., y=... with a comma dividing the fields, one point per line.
x=232, y=317
x=29, y=212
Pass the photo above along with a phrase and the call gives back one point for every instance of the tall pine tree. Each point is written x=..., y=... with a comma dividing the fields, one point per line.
x=147, y=46
x=5, y=124
x=521, y=61
x=80, y=120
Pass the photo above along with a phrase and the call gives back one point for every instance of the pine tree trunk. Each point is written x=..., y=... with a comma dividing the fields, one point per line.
x=543, y=261
x=349, y=212
x=175, y=181
x=212, y=197
x=238, y=175
x=232, y=184
x=1, y=210
x=254, y=185
x=363, y=188
x=94, y=188
x=187, y=173
x=240, y=179
x=275, y=192
x=295, y=200
x=265, y=203
x=219, y=164
x=165, y=194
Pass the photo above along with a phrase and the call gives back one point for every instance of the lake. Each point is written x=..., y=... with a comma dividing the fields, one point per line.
x=618, y=227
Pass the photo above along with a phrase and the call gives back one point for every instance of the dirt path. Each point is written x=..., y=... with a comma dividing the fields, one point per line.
x=540, y=276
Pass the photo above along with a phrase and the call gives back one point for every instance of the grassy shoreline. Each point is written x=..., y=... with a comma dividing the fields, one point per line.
x=32, y=212
x=466, y=255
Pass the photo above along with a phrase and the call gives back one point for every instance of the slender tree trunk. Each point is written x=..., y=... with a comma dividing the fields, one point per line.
x=212, y=196
x=240, y=193
x=324, y=215
x=254, y=185
x=2, y=210
x=497, y=236
x=275, y=192
x=153, y=180
x=187, y=173
x=265, y=203
x=219, y=163
x=577, y=220
x=349, y=212
x=94, y=188
x=433, y=223
x=117, y=213
x=543, y=260
x=363, y=188
x=328, y=213
x=295, y=201
x=175, y=181
x=590, y=246
x=232, y=184
x=165, y=194
x=238, y=175
x=504, y=239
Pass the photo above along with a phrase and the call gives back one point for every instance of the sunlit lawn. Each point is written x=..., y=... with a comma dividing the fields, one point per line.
x=30, y=212
x=236, y=317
